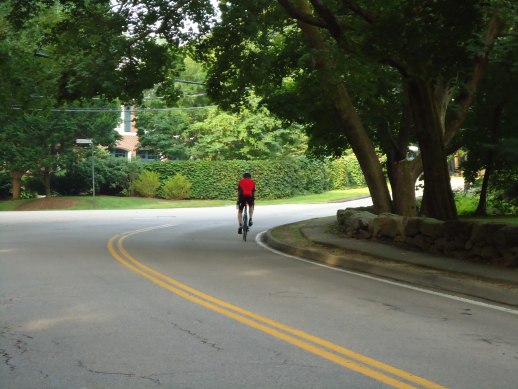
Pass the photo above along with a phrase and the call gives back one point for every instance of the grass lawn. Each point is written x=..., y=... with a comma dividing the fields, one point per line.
x=492, y=218
x=113, y=202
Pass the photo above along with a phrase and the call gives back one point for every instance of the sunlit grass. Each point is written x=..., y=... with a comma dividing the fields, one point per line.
x=11, y=205
x=114, y=202
x=326, y=197
x=510, y=219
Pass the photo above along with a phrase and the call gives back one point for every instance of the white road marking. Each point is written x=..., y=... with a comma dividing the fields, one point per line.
x=390, y=282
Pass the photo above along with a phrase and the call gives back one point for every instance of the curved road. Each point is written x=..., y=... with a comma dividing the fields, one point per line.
x=175, y=299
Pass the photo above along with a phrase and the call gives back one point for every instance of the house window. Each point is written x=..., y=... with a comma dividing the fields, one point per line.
x=120, y=153
x=127, y=118
x=146, y=155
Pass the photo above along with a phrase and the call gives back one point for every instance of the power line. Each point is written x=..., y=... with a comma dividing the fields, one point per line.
x=190, y=82
x=119, y=110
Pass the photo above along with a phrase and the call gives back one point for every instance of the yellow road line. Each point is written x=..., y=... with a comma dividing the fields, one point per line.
x=245, y=317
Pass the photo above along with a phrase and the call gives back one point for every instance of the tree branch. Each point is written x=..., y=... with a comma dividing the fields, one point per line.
x=401, y=67
x=356, y=9
x=330, y=19
x=467, y=97
x=294, y=12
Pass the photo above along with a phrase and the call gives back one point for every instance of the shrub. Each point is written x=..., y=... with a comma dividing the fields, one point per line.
x=280, y=178
x=147, y=184
x=177, y=188
x=113, y=176
x=466, y=203
x=345, y=172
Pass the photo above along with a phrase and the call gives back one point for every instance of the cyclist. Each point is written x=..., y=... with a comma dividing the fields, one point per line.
x=245, y=195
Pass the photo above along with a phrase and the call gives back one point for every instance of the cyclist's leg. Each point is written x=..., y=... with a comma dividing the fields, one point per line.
x=240, y=217
x=251, y=211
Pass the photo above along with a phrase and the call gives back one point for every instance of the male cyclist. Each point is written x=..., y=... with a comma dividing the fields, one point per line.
x=245, y=195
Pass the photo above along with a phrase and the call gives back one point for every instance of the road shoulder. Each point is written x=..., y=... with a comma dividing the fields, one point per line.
x=318, y=240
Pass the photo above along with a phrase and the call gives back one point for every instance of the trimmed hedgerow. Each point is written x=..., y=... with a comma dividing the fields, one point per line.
x=345, y=172
x=274, y=179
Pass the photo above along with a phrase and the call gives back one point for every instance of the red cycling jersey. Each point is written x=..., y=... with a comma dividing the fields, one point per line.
x=246, y=187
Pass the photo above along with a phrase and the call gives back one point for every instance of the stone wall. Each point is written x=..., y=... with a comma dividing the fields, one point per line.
x=494, y=243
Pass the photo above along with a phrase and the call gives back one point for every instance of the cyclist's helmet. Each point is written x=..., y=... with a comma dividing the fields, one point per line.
x=247, y=175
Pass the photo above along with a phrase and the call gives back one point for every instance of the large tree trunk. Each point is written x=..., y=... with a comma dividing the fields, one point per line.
x=350, y=121
x=403, y=172
x=482, y=202
x=16, y=182
x=46, y=183
x=363, y=148
x=404, y=175
x=438, y=201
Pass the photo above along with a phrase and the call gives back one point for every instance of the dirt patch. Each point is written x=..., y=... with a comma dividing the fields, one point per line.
x=47, y=204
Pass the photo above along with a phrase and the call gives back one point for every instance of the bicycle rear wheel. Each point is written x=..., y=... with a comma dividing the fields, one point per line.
x=245, y=224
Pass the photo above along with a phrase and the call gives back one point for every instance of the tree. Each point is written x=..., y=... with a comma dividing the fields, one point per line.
x=112, y=48
x=165, y=133
x=42, y=142
x=490, y=136
x=25, y=78
x=84, y=50
x=251, y=134
x=165, y=130
x=432, y=53
x=205, y=133
x=438, y=50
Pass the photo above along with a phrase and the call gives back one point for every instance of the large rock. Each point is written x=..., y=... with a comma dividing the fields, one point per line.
x=483, y=234
x=457, y=230
x=432, y=228
x=389, y=226
x=355, y=223
x=506, y=236
x=412, y=226
x=494, y=243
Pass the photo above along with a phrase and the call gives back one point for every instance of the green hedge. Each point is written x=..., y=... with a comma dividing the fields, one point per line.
x=345, y=172
x=280, y=178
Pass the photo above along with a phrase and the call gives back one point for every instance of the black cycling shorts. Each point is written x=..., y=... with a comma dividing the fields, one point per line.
x=244, y=200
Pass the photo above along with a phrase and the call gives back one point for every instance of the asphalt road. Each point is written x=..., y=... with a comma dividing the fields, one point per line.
x=175, y=299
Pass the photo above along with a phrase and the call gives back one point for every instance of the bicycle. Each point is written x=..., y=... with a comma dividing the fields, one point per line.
x=245, y=222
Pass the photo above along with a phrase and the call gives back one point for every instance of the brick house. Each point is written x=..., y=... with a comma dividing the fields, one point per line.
x=127, y=147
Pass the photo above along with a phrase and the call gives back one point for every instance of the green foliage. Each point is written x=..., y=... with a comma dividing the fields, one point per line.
x=5, y=184
x=498, y=203
x=374, y=49
x=177, y=188
x=280, y=178
x=147, y=184
x=31, y=187
x=210, y=133
x=503, y=195
x=113, y=176
x=466, y=203
x=345, y=172
x=249, y=134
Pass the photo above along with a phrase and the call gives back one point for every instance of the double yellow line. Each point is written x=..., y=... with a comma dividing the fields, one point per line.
x=369, y=367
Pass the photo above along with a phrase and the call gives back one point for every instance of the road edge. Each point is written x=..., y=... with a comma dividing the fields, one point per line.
x=348, y=258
